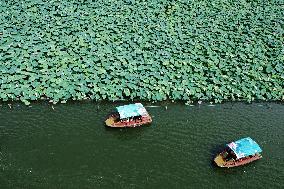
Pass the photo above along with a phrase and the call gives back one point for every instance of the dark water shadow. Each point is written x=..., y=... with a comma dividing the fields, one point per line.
x=127, y=133
x=214, y=151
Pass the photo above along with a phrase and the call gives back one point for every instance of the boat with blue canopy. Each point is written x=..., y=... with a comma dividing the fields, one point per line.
x=131, y=115
x=238, y=153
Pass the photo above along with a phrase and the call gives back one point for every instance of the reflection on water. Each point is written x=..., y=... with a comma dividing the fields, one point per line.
x=67, y=146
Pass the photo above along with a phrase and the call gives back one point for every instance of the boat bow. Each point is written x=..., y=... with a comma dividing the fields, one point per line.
x=219, y=161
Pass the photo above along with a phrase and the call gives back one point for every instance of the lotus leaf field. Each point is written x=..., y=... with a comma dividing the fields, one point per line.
x=149, y=50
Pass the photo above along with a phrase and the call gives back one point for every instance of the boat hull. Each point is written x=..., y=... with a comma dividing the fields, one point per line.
x=222, y=163
x=145, y=120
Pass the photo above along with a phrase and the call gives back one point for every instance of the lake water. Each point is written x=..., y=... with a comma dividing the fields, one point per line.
x=68, y=146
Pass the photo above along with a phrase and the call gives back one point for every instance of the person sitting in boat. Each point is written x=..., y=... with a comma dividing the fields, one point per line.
x=137, y=118
x=229, y=155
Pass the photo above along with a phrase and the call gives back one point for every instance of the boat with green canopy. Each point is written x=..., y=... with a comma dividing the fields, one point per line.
x=238, y=153
x=131, y=115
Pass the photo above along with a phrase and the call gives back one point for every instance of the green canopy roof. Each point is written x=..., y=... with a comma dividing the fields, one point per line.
x=131, y=110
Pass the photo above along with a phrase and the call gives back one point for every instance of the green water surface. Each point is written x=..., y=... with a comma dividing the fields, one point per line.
x=67, y=146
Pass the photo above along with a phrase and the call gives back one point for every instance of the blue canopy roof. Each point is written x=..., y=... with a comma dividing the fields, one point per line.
x=244, y=147
x=131, y=110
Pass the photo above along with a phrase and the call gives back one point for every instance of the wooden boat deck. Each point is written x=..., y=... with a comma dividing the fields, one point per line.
x=234, y=163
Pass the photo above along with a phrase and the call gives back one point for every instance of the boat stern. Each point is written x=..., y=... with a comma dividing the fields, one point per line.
x=219, y=160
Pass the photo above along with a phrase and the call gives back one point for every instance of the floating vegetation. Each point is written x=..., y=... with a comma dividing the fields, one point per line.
x=148, y=50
